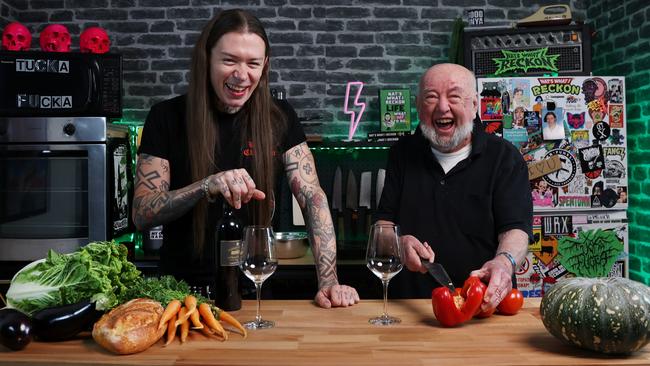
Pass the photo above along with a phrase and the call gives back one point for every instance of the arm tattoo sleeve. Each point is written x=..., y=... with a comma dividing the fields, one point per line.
x=153, y=203
x=303, y=179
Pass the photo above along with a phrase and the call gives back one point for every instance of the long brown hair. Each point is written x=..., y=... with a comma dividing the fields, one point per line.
x=260, y=118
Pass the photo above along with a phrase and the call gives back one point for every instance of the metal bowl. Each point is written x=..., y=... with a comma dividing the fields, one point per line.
x=291, y=244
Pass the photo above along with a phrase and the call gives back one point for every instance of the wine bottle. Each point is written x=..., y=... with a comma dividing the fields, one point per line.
x=228, y=245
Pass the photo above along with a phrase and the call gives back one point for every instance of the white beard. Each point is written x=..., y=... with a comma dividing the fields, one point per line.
x=444, y=144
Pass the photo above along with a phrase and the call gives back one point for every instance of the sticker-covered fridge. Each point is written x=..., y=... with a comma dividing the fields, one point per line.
x=571, y=132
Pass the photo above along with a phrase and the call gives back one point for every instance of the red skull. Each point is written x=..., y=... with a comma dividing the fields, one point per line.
x=55, y=38
x=94, y=40
x=16, y=37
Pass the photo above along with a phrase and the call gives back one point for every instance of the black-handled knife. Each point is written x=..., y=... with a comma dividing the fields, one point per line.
x=337, y=207
x=365, y=218
x=352, y=208
x=437, y=271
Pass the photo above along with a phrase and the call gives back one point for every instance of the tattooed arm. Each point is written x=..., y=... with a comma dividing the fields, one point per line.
x=301, y=173
x=154, y=204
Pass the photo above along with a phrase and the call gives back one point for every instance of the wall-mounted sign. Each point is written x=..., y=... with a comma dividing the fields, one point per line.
x=395, y=109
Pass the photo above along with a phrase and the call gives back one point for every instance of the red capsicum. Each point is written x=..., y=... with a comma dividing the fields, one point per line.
x=455, y=308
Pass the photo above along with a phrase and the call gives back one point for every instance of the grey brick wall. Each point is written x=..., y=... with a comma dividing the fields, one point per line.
x=7, y=13
x=317, y=45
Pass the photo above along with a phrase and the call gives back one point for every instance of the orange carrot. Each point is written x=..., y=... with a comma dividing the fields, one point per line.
x=208, y=333
x=190, y=303
x=185, y=325
x=196, y=320
x=171, y=330
x=210, y=320
x=223, y=315
x=171, y=310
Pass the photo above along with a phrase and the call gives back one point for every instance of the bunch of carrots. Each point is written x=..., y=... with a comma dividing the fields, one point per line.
x=203, y=317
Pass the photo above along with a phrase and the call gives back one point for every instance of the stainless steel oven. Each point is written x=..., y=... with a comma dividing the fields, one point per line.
x=52, y=185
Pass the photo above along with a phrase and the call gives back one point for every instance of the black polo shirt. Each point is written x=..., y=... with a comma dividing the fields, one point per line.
x=461, y=213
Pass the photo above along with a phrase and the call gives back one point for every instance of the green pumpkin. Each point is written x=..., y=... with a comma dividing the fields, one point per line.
x=608, y=314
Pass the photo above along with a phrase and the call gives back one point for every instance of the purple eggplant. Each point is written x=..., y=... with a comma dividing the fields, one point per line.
x=64, y=322
x=15, y=329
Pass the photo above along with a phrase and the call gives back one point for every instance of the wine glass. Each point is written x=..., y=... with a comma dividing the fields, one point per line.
x=258, y=261
x=384, y=259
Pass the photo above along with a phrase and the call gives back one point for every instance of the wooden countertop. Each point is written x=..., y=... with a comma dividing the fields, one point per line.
x=308, y=335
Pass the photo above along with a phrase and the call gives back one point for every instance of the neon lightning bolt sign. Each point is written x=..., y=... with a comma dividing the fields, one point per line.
x=354, y=123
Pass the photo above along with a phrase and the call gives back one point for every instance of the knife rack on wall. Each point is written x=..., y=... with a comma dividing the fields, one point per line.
x=352, y=211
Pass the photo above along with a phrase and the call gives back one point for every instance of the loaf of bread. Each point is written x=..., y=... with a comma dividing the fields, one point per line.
x=131, y=327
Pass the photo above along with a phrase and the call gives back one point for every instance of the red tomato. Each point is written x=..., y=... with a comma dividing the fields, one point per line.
x=511, y=304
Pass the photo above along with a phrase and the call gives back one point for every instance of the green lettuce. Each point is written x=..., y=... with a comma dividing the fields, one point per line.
x=98, y=272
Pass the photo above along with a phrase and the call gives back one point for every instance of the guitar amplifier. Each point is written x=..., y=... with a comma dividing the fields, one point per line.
x=565, y=50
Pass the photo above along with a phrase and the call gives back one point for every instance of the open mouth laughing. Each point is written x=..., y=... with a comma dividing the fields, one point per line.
x=444, y=123
x=236, y=89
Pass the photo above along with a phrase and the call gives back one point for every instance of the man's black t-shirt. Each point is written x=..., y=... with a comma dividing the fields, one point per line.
x=164, y=136
x=459, y=214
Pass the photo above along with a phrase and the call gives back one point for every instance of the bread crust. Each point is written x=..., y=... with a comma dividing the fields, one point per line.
x=131, y=327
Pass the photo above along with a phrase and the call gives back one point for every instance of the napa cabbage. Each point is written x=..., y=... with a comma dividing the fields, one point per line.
x=98, y=272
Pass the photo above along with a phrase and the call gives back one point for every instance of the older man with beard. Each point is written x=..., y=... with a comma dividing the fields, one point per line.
x=460, y=196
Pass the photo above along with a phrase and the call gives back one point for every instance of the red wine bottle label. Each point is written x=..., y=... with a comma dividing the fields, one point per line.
x=229, y=253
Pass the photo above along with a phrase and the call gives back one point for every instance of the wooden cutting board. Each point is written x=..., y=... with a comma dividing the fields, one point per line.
x=308, y=335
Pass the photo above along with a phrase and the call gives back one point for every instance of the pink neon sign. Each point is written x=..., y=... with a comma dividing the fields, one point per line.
x=354, y=122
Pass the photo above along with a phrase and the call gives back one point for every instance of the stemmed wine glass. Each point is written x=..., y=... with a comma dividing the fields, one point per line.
x=384, y=259
x=258, y=261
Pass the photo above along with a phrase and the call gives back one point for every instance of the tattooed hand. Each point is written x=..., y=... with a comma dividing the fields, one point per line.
x=335, y=296
x=236, y=186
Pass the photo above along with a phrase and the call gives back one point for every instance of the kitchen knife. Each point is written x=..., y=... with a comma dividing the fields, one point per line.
x=296, y=212
x=351, y=205
x=365, y=190
x=437, y=271
x=337, y=205
x=381, y=176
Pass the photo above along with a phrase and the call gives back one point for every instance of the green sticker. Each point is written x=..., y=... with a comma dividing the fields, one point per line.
x=592, y=254
x=513, y=61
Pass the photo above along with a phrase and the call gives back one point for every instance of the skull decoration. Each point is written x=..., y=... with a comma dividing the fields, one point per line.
x=55, y=38
x=94, y=40
x=16, y=37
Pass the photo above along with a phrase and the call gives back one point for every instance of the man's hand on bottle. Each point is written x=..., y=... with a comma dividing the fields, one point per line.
x=336, y=296
x=236, y=186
